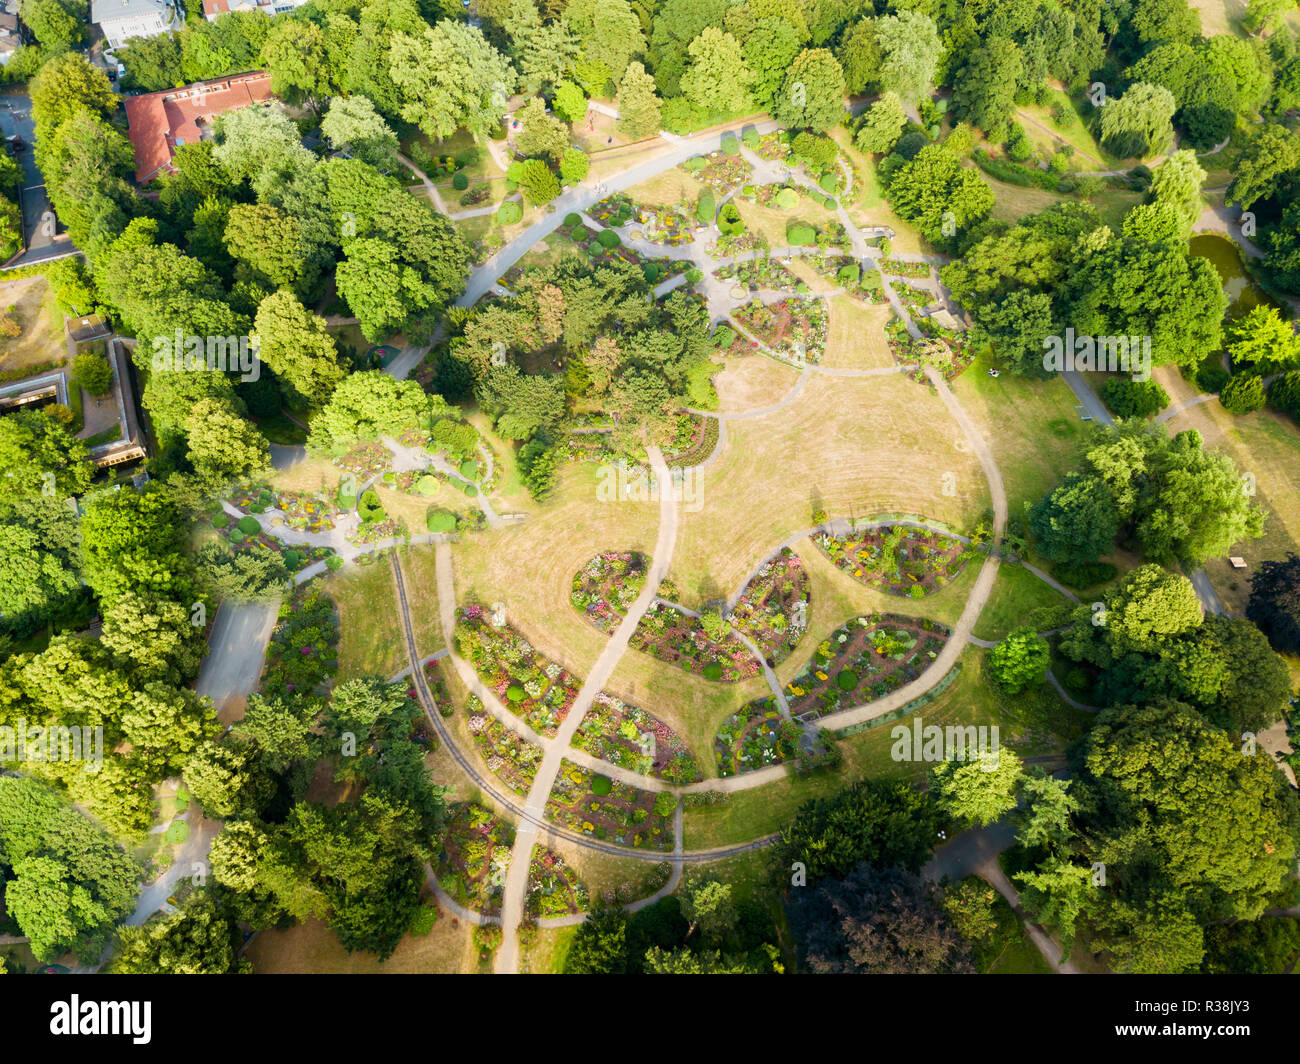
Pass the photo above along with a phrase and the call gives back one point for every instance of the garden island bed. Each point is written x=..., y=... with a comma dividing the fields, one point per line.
x=631, y=738
x=864, y=660
x=475, y=854
x=605, y=588
x=795, y=328
x=773, y=609
x=615, y=812
x=531, y=686
x=508, y=755
x=670, y=635
x=898, y=559
x=554, y=888
x=754, y=737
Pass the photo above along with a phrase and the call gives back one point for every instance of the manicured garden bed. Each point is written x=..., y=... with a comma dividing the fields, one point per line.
x=721, y=172
x=366, y=460
x=475, y=855
x=898, y=559
x=795, y=328
x=612, y=811
x=605, y=588
x=508, y=755
x=864, y=660
x=899, y=268
x=759, y=273
x=553, y=887
x=529, y=685
x=773, y=609
x=631, y=738
x=696, y=438
x=754, y=737
x=303, y=651
x=672, y=636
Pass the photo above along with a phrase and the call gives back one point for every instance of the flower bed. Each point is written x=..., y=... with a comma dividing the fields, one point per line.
x=366, y=460
x=773, y=146
x=553, y=887
x=605, y=588
x=702, y=443
x=606, y=809
x=773, y=609
x=759, y=273
x=531, y=687
x=754, y=737
x=294, y=558
x=303, y=651
x=793, y=327
x=437, y=684
x=376, y=531
x=670, y=635
x=738, y=244
x=899, y=268
x=631, y=738
x=664, y=225
x=508, y=755
x=864, y=660
x=475, y=855
x=898, y=559
x=721, y=172
x=614, y=211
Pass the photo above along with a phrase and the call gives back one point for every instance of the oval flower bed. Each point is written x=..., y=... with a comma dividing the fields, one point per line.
x=898, y=559
x=504, y=659
x=793, y=327
x=474, y=857
x=670, y=635
x=508, y=755
x=605, y=588
x=754, y=737
x=607, y=809
x=864, y=660
x=631, y=738
x=553, y=887
x=773, y=609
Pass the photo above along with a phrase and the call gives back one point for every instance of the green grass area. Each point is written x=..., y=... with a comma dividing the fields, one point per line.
x=1017, y=594
x=371, y=641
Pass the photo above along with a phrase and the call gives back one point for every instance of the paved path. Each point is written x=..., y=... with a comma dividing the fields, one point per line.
x=516, y=887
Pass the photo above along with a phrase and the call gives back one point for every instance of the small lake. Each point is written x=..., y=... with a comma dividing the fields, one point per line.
x=1226, y=259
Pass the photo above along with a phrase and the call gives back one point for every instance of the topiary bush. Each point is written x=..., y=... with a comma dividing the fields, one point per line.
x=706, y=207
x=571, y=219
x=510, y=213
x=787, y=199
x=729, y=221
x=650, y=271
x=694, y=275
x=439, y=520
x=601, y=785
x=798, y=234
x=750, y=137
x=220, y=520
x=724, y=336
x=334, y=563
x=608, y=239
x=849, y=275
x=827, y=182
x=730, y=145
x=250, y=526
x=1284, y=393
x=237, y=537
x=460, y=182
x=578, y=232
x=1130, y=398
x=1243, y=394
x=696, y=162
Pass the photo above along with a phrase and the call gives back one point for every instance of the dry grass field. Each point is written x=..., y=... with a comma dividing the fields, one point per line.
x=38, y=316
x=856, y=339
x=370, y=637
x=313, y=947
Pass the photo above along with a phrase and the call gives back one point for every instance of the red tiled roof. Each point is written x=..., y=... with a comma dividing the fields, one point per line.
x=160, y=122
x=212, y=8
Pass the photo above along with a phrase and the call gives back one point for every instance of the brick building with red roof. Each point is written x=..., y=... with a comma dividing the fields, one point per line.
x=161, y=122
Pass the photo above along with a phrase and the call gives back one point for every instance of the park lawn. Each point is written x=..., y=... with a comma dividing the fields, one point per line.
x=1011, y=203
x=1030, y=426
x=1265, y=444
x=772, y=223
x=867, y=205
x=510, y=491
x=672, y=188
x=750, y=382
x=691, y=705
x=486, y=226
x=850, y=446
x=814, y=280
x=529, y=567
x=548, y=251
x=312, y=947
x=1012, y=951
x=37, y=314
x=420, y=575
x=1224, y=16
x=548, y=953
x=312, y=473
x=460, y=141
x=371, y=640
x=1017, y=593
x=1072, y=129
x=856, y=339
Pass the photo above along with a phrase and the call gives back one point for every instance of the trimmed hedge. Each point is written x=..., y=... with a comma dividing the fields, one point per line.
x=571, y=219
x=460, y=182
x=608, y=239
x=706, y=207
x=730, y=145
x=800, y=234
x=250, y=526
x=1243, y=393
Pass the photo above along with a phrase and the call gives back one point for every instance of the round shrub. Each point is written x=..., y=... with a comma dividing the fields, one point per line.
x=220, y=520
x=1284, y=393
x=871, y=280
x=601, y=785
x=706, y=207
x=427, y=484
x=650, y=271
x=730, y=145
x=514, y=693
x=1243, y=393
x=460, y=182
x=750, y=137
x=1211, y=378
x=92, y=371
x=847, y=680
x=608, y=239
x=571, y=219
x=712, y=671
x=510, y=212
x=334, y=563
x=469, y=469
x=471, y=490
x=694, y=275
x=799, y=234
x=438, y=520
x=1130, y=398
x=729, y=220
x=787, y=199
x=696, y=162
x=724, y=336
x=827, y=182
x=578, y=232
x=250, y=526
x=511, y=185
x=236, y=536
x=827, y=202
x=849, y=275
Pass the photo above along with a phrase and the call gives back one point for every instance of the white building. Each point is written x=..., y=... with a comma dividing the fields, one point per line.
x=120, y=20
x=214, y=9
x=9, y=39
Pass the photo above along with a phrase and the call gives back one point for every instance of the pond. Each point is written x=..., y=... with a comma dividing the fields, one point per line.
x=1226, y=259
